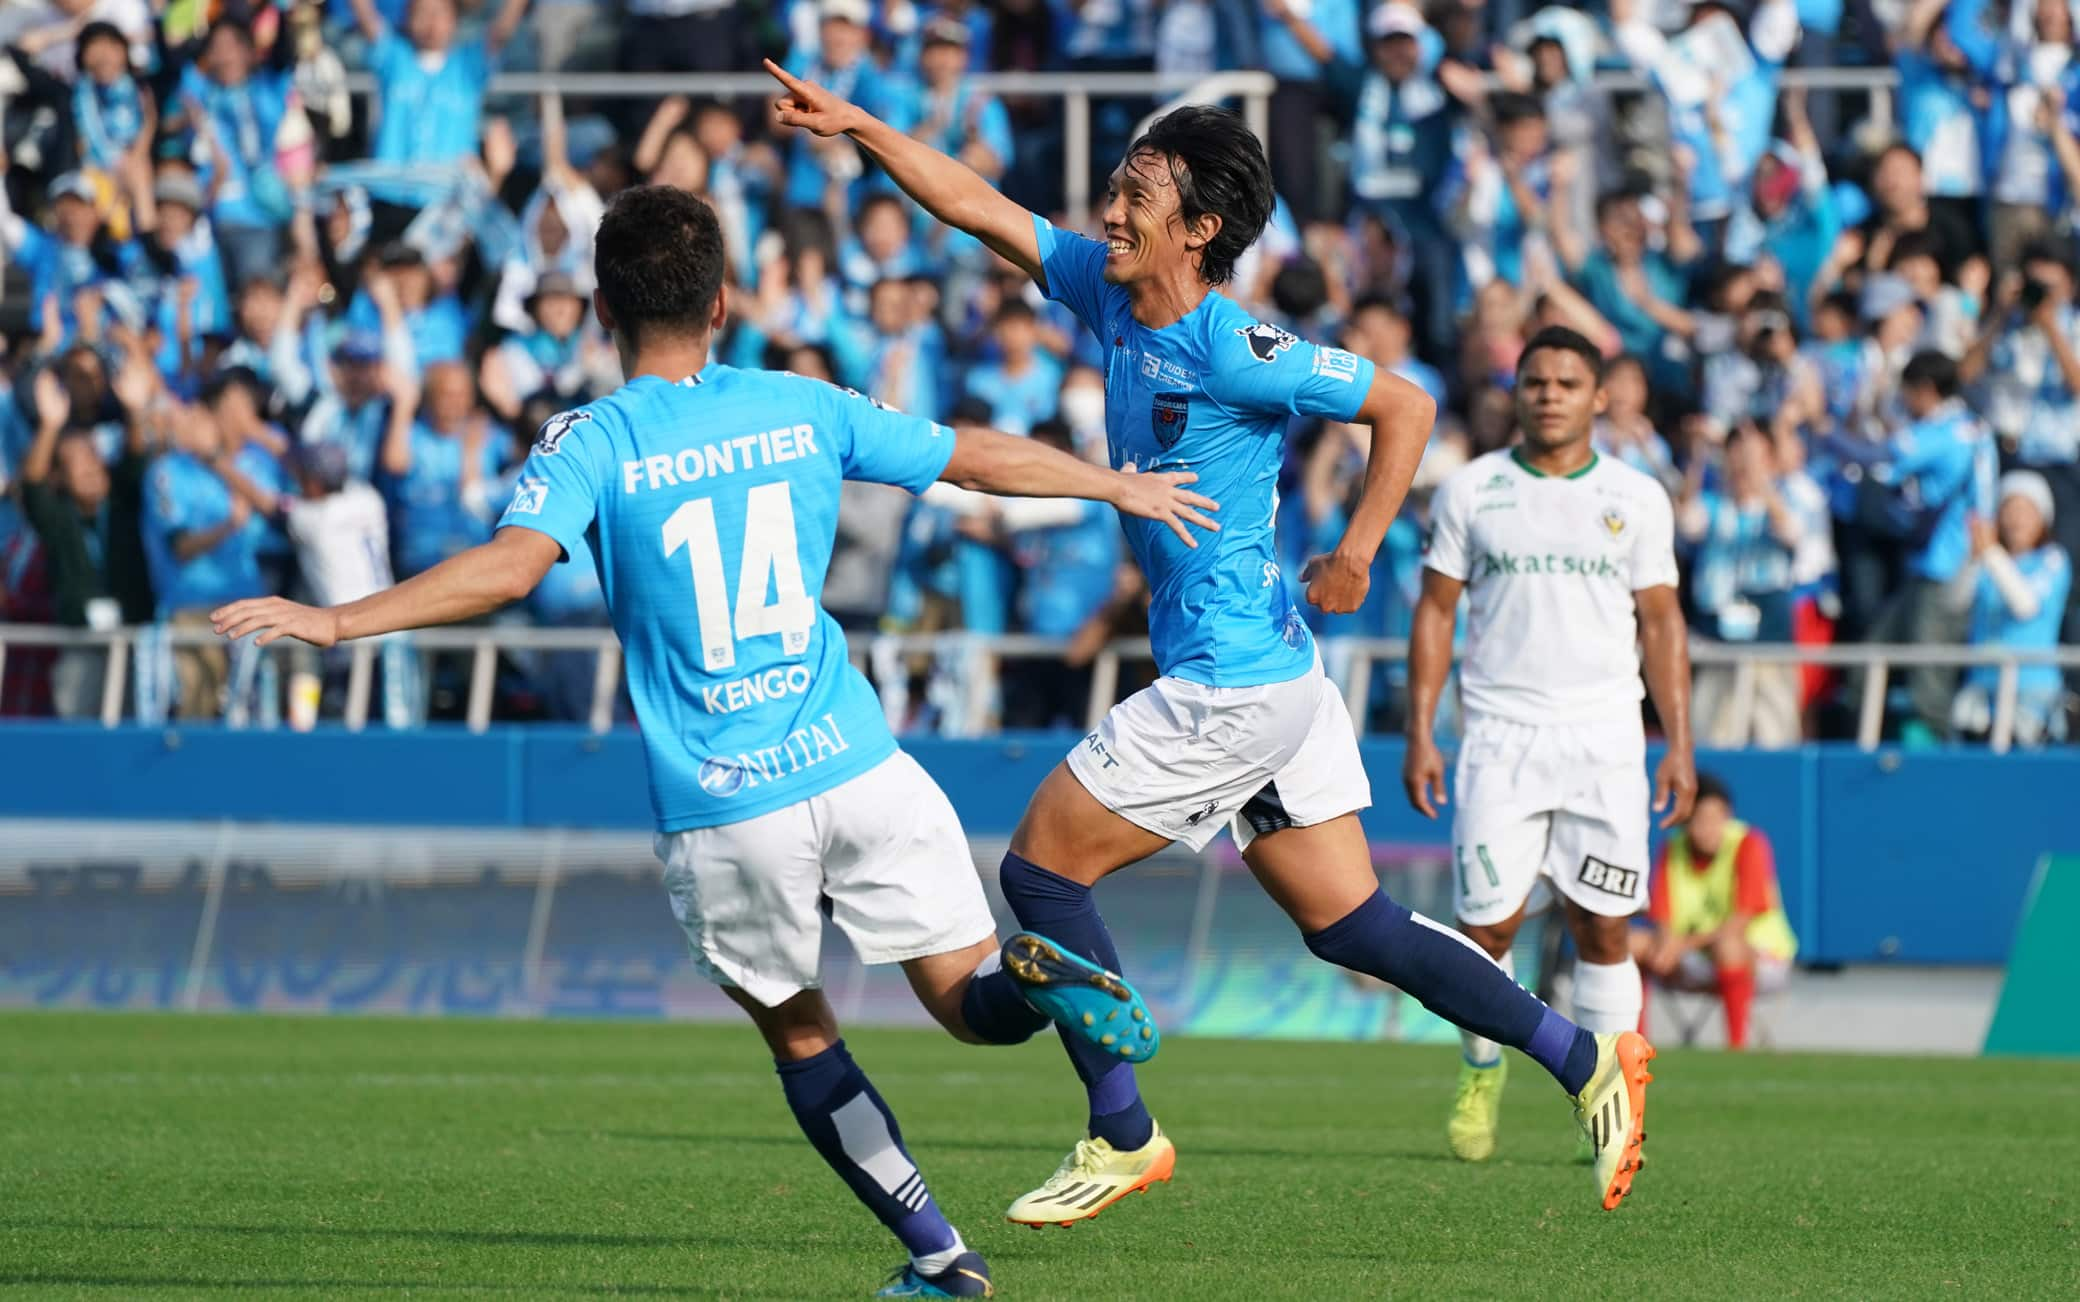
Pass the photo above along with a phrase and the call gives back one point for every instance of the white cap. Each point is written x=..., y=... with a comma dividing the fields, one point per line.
x=1395, y=19
x=2031, y=487
x=851, y=11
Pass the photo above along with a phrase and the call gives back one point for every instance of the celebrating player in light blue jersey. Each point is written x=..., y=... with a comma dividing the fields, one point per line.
x=708, y=497
x=1242, y=729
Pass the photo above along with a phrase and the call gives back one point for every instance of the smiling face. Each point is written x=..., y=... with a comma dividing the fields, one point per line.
x=1145, y=232
x=1558, y=399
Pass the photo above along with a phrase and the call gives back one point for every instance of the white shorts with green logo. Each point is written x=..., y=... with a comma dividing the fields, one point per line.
x=1543, y=809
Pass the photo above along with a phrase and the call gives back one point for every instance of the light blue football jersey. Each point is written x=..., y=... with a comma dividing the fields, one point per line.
x=1210, y=393
x=710, y=506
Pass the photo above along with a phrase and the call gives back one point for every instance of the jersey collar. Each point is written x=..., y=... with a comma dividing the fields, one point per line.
x=1517, y=455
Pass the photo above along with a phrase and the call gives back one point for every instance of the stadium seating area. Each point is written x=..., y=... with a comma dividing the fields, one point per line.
x=1841, y=323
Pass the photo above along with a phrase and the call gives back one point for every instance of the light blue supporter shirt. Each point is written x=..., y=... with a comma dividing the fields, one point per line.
x=183, y=495
x=2049, y=574
x=431, y=104
x=1212, y=394
x=711, y=507
x=1949, y=459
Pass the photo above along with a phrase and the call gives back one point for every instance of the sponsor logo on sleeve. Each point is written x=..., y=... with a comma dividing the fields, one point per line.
x=550, y=440
x=1336, y=364
x=529, y=496
x=1609, y=878
x=1266, y=342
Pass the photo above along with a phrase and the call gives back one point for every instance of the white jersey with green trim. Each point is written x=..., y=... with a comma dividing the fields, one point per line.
x=1550, y=567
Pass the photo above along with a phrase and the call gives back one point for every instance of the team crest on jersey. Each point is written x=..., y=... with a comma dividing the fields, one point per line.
x=550, y=440
x=1613, y=521
x=1168, y=415
x=1266, y=342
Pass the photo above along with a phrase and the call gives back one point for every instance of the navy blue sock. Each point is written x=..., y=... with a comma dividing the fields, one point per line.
x=1452, y=978
x=858, y=1136
x=994, y=1009
x=1064, y=912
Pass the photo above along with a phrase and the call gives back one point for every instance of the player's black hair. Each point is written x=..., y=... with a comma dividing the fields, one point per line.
x=1937, y=370
x=1561, y=339
x=971, y=410
x=1710, y=786
x=1218, y=166
x=658, y=259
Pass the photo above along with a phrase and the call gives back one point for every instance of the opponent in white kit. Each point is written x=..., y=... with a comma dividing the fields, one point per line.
x=1569, y=560
x=708, y=498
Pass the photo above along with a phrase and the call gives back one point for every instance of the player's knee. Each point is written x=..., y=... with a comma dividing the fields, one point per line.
x=1358, y=939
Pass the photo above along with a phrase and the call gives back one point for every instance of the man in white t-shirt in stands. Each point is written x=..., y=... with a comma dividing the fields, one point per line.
x=1568, y=559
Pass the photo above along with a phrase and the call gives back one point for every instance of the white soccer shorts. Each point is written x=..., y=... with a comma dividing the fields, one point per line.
x=883, y=856
x=1562, y=803
x=1185, y=760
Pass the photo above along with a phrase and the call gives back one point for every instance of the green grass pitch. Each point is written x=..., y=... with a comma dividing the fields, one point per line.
x=169, y=1156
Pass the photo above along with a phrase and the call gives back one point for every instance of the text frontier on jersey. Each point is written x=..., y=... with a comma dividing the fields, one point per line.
x=723, y=457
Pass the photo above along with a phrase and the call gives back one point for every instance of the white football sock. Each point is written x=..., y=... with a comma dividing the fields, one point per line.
x=1482, y=1052
x=1607, y=996
x=935, y=1262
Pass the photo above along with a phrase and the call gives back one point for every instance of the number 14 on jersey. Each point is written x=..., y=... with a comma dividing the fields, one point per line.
x=770, y=560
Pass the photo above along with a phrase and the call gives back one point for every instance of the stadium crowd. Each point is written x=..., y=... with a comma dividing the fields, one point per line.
x=263, y=334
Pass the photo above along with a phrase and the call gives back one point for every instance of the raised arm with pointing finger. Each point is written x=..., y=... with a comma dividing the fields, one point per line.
x=947, y=188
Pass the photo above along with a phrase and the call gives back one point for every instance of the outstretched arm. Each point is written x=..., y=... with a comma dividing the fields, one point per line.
x=948, y=189
x=468, y=584
x=989, y=462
